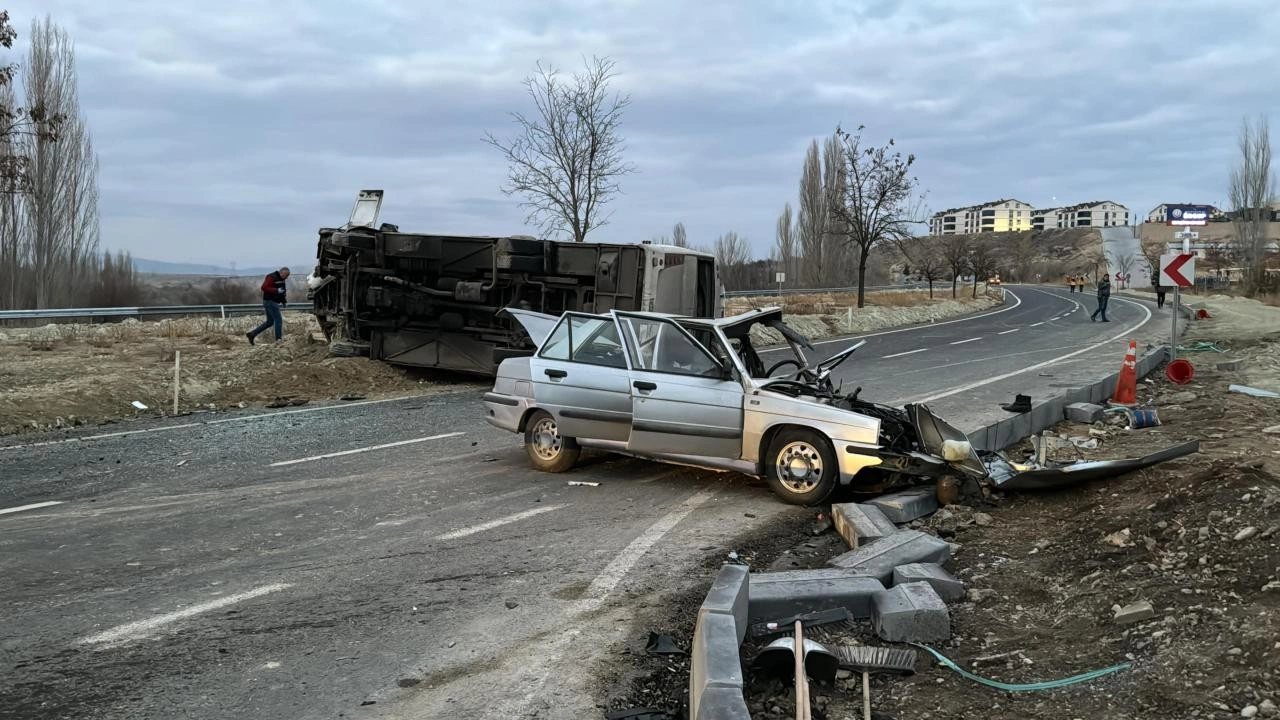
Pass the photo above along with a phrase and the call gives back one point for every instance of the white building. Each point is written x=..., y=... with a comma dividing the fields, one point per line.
x=1097, y=213
x=1005, y=215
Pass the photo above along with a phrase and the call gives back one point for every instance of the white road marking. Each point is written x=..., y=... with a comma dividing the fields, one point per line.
x=140, y=628
x=961, y=342
x=1122, y=334
x=1016, y=303
x=32, y=506
x=617, y=568
x=183, y=426
x=909, y=352
x=1006, y=332
x=1038, y=324
x=497, y=523
x=364, y=449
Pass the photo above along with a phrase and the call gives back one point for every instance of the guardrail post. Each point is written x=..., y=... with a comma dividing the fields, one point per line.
x=223, y=308
x=177, y=368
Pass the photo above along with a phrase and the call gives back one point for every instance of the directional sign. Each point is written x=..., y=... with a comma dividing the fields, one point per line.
x=780, y=277
x=1178, y=269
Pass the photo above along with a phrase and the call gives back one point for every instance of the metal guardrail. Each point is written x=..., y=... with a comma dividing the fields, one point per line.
x=141, y=312
x=813, y=291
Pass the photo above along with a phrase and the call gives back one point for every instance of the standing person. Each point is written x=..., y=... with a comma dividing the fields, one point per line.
x=1160, y=290
x=273, y=301
x=1071, y=283
x=1104, y=294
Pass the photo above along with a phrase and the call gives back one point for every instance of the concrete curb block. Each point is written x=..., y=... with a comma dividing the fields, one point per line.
x=715, y=668
x=1052, y=411
x=715, y=677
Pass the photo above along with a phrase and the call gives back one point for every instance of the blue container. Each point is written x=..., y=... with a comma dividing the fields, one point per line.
x=1145, y=418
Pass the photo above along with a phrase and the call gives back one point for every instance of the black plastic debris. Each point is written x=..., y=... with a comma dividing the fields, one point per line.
x=639, y=714
x=662, y=645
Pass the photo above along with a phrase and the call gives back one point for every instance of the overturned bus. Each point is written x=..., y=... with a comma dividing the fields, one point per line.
x=438, y=301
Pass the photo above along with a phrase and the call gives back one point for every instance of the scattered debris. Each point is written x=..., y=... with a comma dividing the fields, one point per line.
x=1255, y=392
x=1120, y=538
x=512, y=604
x=1134, y=612
x=587, y=483
x=286, y=401
x=1026, y=687
x=662, y=644
x=138, y=405
x=181, y=463
x=351, y=396
x=1246, y=533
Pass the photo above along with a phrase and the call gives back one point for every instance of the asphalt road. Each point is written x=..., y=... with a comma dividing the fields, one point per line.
x=239, y=567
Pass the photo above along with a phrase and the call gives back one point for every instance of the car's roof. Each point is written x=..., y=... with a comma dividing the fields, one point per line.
x=763, y=314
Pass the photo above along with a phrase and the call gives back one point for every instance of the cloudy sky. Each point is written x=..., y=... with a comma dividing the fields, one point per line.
x=231, y=130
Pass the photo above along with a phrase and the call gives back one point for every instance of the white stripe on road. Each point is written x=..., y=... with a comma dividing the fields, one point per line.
x=961, y=342
x=32, y=506
x=142, y=627
x=364, y=449
x=622, y=563
x=497, y=523
x=1046, y=363
x=1016, y=302
x=909, y=352
x=1006, y=332
x=183, y=426
x=1038, y=324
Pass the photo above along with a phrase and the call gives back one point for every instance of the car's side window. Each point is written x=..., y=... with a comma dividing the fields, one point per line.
x=585, y=340
x=660, y=347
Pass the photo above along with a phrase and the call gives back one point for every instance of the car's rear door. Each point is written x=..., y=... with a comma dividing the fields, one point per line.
x=580, y=376
x=681, y=401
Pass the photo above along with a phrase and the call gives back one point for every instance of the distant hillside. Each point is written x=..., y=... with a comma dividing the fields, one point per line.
x=1049, y=253
x=161, y=267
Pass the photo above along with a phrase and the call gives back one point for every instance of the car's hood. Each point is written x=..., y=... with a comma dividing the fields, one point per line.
x=538, y=325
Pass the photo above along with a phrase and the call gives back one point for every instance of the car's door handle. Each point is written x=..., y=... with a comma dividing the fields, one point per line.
x=556, y=373
x=644, y=385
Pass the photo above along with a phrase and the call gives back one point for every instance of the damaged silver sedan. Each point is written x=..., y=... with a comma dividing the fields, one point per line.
x=695, y=391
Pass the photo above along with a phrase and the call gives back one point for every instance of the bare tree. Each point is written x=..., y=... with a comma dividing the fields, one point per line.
x=1251, y=189
x=1151, y=252
x=955, y=251
x=925, y=256
x=566, y=160
x=983, y=260
x=839, y=252
x=785, y=243
x=678, y=237
x=1123, y=264
x=877, y=203
x=732, y=255
x=1024, y=252
x=812, y=218
x=35, y=119
x=1220, y=256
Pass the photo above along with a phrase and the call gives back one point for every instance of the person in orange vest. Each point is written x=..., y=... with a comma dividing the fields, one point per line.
x=273, y=302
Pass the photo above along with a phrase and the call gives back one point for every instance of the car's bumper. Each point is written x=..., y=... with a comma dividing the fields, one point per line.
x=853, y=458
x=505, y=411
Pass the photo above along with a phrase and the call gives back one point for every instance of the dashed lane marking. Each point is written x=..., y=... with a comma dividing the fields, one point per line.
x=141, y=628
x=961, y=342
x=371, y=448
x=482, y=527
x=32, y=506
x=909, y=352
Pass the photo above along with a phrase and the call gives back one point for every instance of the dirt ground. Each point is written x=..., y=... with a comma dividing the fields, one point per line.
x=75, y=374
x=1197, y=537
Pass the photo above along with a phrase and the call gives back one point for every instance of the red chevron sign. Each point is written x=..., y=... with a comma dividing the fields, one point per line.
x=1178, y=269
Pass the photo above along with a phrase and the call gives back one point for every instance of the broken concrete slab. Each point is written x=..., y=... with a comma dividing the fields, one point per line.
x=879, y=559
x=792, y=592
x=714, y=660
x=944, y=583
x=911, y=612
x=722, y=704
x=1084, y=412
x=1135, y=612
x=728, y=596
x=861, y=524
x=907, y=505
x=1231, y=365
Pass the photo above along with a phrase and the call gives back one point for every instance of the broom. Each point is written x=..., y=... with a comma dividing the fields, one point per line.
x=867, y=660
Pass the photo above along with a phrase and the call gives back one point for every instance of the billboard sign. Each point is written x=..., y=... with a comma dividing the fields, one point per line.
x=1188, y=214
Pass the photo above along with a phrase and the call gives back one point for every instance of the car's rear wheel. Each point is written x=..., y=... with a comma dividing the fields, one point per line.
x=801, y=467
x=547, y=449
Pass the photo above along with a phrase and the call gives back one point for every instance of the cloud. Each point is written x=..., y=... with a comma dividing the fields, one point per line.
x=237, y=129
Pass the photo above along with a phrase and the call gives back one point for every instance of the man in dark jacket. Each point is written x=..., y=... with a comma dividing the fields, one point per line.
x=1104, y=294
x=273, y=301
x=1160, y=289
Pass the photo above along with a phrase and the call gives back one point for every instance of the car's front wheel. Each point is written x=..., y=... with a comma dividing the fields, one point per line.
x=547, y=449
x=801, y=467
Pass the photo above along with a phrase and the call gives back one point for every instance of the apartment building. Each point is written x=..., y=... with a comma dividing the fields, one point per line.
x=1004, y=215
x=1044, y=218
x=1096, y=213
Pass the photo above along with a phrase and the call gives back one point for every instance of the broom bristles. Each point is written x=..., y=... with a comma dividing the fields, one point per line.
x=864, y=658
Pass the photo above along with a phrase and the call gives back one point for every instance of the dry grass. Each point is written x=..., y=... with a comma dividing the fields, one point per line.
x=828, y=303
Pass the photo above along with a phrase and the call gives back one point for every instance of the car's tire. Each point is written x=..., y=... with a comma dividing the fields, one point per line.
x=547, y=450
x=801, y=467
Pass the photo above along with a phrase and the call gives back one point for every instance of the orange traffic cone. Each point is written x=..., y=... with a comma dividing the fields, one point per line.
x=1127, y=384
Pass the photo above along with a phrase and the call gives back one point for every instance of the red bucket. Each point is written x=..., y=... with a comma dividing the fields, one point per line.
x=1203, y=314
x=1180, y=371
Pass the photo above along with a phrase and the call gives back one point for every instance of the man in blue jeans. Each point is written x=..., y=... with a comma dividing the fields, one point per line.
x=273, y=301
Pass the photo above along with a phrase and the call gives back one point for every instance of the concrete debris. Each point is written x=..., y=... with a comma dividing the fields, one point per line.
x=1249, y=711
x=1273, y=586
x=792, y=592
x=1083, y=412
x=1231, y=365
x=879, y=559
x=861, y=524
x=1135, y=612
x=715, y=676
x=978, y=596
x=583, y=483
x=1273, y=430
x=1268, y=708
x=728, y=596
x=911, y=612
x=942, y=582
x=1178, y=398
x=1120, y=538
x=903, y=507
x=1246, y=533
x=982, y=519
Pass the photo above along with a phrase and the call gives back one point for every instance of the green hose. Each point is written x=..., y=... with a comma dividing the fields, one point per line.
x=1202, y=347
x=1027, y=687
